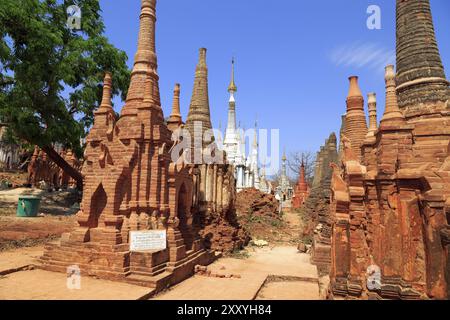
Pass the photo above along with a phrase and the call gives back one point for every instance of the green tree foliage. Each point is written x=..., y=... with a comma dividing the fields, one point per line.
x=51, y=76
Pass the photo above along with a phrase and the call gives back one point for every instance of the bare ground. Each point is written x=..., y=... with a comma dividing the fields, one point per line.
x=56, y=217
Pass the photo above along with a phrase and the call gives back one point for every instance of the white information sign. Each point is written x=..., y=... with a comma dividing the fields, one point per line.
x=148, y=240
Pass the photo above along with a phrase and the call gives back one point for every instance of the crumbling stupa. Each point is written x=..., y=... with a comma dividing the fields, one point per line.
x=301, y=190
x=214, y=181
x=132, y=184
x=390, y=201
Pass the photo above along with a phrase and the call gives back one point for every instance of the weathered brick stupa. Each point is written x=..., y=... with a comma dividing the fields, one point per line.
x=42, y=171
x=355, y=120
x=130, y=184
x=390, y=206
x=317, y=206
x=301, y=190
x=214, y=182
x=175, y=121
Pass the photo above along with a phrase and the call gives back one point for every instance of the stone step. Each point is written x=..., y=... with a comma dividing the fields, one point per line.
x=159, y=282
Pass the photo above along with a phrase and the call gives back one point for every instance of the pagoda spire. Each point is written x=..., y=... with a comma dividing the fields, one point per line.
x=199, y=110
x=392, y=114
x=372, y=103
x=232, y=88
x=355, y=122
x=104, y=116
x=230, y=132
x=175, y=119
x=106, y=105
x=420, y=73
x=302, y=185
x=145, y=61
x=176, y=102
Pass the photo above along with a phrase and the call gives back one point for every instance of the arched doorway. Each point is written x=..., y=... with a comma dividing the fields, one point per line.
x=182, y=211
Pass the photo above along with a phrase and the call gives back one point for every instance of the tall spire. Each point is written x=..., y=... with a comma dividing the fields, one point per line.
x=145, y=62
x=175, y=119
x=199, y=108
x=372, y=103
x=302, y=185
x=392, y=114
x=355, y=122
x=104, y=116
x=176, y=102
x=255, y=136
x=232, y=88
x=106, y=105
x=230, y=132
x=420, y=73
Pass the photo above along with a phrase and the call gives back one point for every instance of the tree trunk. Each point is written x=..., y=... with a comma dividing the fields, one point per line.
x=67, y=168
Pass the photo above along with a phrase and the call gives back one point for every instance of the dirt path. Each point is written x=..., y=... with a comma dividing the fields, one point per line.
x=274, y=272
x=277, y=271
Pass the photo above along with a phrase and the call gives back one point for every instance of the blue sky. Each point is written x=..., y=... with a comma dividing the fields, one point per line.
x=293, y=57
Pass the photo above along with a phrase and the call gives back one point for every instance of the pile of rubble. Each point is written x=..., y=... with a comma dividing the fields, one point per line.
x=255, y=202
x=224, y=233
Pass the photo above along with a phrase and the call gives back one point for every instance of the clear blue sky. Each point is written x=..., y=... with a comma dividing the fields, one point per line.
x=293, y=57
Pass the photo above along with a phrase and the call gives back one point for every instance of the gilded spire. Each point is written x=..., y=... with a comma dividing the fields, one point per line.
x=232, y=88
x=420, y=73
x=231, y=126
x=392, y=114
x=199, y=110
x=145, y=61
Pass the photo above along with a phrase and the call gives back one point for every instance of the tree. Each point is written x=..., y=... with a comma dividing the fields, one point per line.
x=295, y=160
x=51, y=75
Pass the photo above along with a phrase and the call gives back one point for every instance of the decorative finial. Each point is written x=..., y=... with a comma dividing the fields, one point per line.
x=372, y=105
x=232, y=88
x=354, y=90
x=392, y=113
x=107, y=93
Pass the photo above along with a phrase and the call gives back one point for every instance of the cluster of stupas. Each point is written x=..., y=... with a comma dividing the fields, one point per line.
x=388, y=234
x=284, y=190
x=44, y=172
x=133, y=183
x=246, y=166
